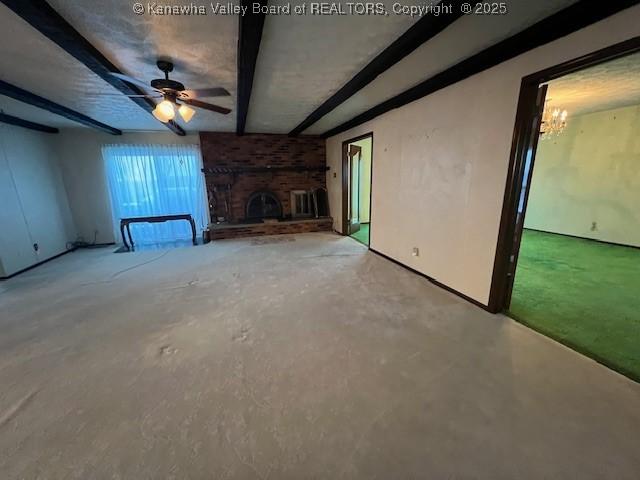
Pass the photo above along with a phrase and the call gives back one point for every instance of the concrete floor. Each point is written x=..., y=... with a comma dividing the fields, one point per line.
x=292, y=357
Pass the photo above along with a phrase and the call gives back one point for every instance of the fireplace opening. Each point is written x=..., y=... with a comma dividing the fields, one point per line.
x=263, y=204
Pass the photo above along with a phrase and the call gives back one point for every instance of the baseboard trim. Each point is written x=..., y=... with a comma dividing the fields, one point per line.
x=31, y=267
x=434, y=281
x=98, y=245
x=584, y=238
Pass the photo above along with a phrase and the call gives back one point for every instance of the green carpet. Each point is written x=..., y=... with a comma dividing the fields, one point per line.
x=582, y=293
x=362, y=235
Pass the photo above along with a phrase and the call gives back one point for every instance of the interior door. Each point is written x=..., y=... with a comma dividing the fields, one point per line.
x=529, y=154
x=355, y=157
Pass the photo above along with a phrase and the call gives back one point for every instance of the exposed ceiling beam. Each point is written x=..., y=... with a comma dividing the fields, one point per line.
x=579, y=15
x=19, y=122
x=24, y=96
x=249, y=36
x=421, y=31
x=40, y=15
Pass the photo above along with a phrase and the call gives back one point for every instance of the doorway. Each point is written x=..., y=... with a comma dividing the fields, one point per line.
x=568, y=261
x=356, y=187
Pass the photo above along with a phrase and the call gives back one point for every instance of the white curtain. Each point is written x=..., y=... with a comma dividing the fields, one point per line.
x=146, y=180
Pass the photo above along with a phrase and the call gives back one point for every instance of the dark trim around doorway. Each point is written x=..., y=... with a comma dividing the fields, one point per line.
x=345, y=183
x=513, y=188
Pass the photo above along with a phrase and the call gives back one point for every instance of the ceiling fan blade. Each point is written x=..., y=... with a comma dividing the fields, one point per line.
x=206, y=106
x=134, y=81
x=205, y=92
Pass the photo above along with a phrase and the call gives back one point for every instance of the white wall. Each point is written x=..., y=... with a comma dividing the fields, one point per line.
x=440, y=164
x=80, y=152
x=590, y=174
x=33, y=202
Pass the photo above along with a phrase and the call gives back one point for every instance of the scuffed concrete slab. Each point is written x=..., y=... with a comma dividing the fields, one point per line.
x=302, y=357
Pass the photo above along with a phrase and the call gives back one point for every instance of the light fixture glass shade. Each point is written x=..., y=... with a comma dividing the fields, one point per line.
x=158, y=114
x=186, y=113
x=164, y=111
x=167, y=109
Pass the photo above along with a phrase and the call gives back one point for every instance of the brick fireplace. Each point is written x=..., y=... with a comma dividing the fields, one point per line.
x=254, y=173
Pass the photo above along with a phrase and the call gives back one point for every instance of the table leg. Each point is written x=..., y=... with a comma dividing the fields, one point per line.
x=129, y=233
x=124, y=240
x=193, y=231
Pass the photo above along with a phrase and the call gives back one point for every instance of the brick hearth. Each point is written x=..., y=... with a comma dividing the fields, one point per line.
x=219, y=232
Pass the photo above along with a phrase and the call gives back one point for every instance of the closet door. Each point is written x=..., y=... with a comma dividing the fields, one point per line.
x=38, y=183
x=38, y=224
x=16, y=251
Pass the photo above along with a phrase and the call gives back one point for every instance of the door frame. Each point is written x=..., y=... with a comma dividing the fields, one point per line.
x=351, y=154
x=506, y=251
x=345, y=183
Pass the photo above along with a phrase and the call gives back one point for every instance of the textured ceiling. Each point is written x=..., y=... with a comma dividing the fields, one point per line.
x=303, y=60
x=606, y=86
x=31, y=61
x=462, y=39
x=203, y=49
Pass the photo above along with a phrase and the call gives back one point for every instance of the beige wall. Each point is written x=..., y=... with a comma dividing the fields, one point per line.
x=80, y=153
x=590, y=174
x=440, y=164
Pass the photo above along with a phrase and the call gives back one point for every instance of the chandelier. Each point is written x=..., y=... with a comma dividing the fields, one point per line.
x=554, y=121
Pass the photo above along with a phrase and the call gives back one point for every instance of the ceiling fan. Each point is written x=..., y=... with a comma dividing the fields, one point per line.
x=175, y=94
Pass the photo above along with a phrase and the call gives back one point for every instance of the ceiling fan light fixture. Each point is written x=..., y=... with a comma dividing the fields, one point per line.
x=186, y=113
x=164, y=111
x=159, y=115
x=174, y=94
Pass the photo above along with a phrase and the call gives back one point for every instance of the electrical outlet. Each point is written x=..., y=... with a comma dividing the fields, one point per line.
x=594, y=226
x=36, y=247
x=334, y=175
x=415, y=252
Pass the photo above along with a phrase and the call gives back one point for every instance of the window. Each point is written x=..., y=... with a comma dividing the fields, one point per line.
x=147, y=180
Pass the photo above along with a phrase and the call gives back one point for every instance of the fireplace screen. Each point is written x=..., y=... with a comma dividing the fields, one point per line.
x=263, y=205
x=301, y=203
